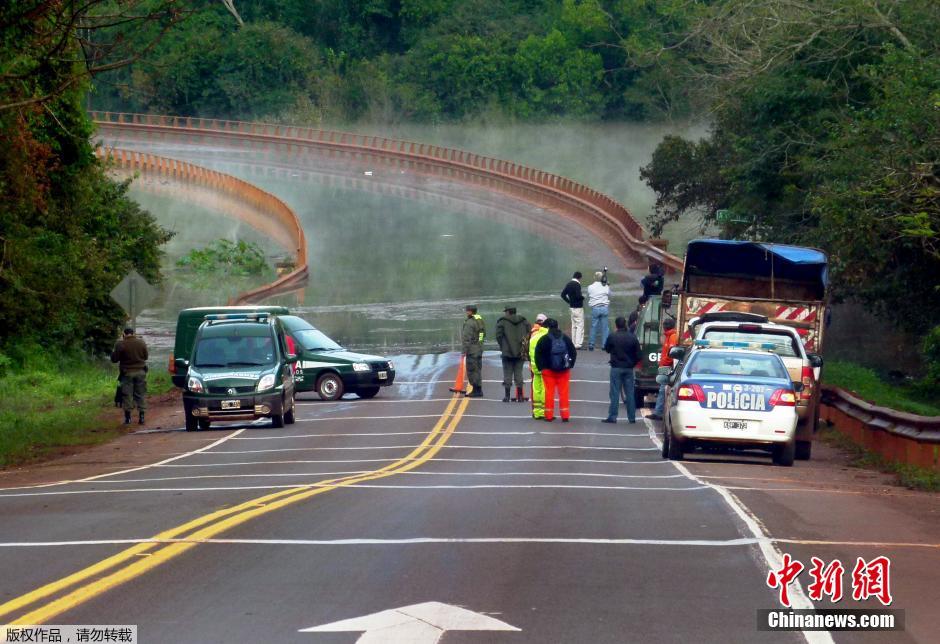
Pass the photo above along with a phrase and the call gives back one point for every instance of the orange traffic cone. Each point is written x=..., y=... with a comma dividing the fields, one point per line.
x=458, y=387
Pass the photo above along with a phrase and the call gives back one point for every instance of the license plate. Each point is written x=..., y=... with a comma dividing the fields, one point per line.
x=231, y=404
x=383, y=375
x=735, y=424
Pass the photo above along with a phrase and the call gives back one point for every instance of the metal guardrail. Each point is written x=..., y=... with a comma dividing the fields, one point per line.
x=605, y=216
x=895, y=435
x=259, y=208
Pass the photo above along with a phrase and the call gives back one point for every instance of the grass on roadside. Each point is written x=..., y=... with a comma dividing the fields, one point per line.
x=869, y=386
x=44, y=408
x=909, y=476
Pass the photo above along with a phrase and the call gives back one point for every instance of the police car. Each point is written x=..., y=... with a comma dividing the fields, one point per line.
x=735, y=394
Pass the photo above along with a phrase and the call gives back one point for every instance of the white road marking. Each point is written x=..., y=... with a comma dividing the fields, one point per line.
x=327, y=449
x=773, y=557
x=411, y=473
x=332, y=418
x=132, y=469
x=377, y=401
x=436, y=459
x=357, y=486
x=471, y=433
x=416, y=624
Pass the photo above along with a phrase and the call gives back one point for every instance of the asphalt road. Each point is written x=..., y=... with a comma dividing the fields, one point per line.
x=576, y=532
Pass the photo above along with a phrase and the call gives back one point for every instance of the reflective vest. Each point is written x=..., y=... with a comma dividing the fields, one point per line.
x=534, y=337
x=479, y=319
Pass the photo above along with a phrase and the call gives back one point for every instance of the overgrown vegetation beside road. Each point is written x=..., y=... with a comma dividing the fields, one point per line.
x=913, y=397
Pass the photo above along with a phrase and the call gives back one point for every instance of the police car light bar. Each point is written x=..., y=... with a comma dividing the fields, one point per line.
x=737, y=344
x=248, y=317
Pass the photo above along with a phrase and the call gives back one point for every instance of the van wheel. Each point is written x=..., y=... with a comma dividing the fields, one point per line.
x=289, y=417
x=277, y=421
x=804, y=449
x=204, y=424
x=330, y=387
x=192, y=423
x=784, y=454
x=367, y=392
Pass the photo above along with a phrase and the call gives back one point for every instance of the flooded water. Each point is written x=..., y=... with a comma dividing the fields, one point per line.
x=388, y=273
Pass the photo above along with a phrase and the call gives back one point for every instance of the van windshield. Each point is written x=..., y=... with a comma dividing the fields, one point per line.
x=235, y=351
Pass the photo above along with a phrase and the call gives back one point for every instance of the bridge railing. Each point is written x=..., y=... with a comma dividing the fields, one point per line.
x=258, y=208
x=605, y=215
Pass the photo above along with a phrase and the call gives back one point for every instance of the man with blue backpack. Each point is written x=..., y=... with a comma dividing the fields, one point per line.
x=555, y=355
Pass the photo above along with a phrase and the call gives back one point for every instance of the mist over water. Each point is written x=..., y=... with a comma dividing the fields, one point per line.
x=392, y=274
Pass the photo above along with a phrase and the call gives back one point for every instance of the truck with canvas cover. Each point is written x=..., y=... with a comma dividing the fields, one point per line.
x=786, y=285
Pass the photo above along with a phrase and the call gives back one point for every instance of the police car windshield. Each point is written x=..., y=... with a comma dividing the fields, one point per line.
x=727, y=363
x=314, y=340
x=235, y=351
x=783, y=344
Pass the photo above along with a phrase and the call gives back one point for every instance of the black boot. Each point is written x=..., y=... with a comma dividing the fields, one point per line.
x=476, y=393
x=127, y=417
x=520, y=395
x=140, y=418
x=506, y=397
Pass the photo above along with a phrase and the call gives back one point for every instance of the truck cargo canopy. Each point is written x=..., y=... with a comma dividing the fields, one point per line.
x=758, y=261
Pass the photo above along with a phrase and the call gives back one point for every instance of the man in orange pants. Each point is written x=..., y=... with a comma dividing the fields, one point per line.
x=555, y=355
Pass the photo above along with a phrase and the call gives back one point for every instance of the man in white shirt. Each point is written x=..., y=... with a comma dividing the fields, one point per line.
x=599, y=301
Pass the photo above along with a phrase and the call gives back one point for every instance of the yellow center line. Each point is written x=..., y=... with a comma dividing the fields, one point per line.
x=211, y=525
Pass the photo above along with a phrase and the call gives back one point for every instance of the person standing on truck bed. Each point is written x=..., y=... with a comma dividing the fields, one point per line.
x=131, y=354
x=653, y=281
x=575, y=299
x=472, y=335
x=670, y=339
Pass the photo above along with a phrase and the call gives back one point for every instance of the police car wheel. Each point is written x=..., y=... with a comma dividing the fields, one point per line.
x=784, y=454
x=665, y=451
x=676, y=449
x=330, y=387
x=804, y=450
x=192, y=423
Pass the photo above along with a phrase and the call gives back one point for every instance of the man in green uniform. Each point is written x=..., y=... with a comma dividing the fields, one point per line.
x=538, y=387
x=472, y=335
x=131, y=355
x=512, y=331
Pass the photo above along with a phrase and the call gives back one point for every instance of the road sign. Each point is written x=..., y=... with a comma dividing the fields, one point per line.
x=416, y=624
x=133, y=293
x=725, y=216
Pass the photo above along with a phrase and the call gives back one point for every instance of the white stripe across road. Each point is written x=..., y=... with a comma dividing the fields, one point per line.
x=411, y=473
x=353, y=486
x=471, y=433
x=436, y=459
x=327, y=449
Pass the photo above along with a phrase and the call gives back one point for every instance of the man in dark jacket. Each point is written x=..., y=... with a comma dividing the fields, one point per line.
x=512, y=330
x=555, y=355
x=653, y=281
x=472, y=335
x=624, y=350
x=131, y=355
x=575, y=299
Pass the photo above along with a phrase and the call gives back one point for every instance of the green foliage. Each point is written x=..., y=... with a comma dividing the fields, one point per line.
x=825, y=132
x=931, y=354
x=49, y=404
x=226, y=258
x=868, y=385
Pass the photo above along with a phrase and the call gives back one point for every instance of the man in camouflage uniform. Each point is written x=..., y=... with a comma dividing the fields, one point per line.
x=130, y=353
x=472, y=335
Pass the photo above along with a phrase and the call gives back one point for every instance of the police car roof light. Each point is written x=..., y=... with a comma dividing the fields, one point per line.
x=736, y=344
x=248, y=317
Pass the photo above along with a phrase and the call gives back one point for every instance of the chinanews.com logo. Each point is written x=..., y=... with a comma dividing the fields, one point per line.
x=871, y=580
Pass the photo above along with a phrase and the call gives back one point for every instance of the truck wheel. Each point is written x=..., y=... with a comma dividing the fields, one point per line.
x=367, y=392
x=330, y=387
x=804, y=450
x=676, y=451
x=192, y=423
x=784, y=454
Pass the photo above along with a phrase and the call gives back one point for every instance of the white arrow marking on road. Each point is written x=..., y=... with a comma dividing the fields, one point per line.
x=416, y=624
